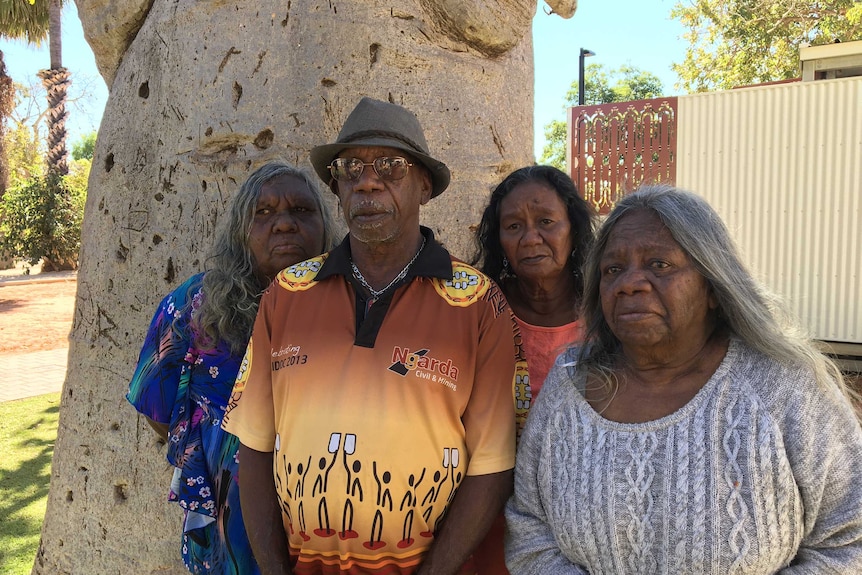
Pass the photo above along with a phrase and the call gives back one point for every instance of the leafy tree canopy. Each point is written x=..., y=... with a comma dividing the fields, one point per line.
x=601, y=86
x=23, y=152
x=23, y=149
x=83, y=148
x=742, y=42
x=41, y=219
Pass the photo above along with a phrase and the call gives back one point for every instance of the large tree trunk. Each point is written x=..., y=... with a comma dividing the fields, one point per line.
x=205, y=92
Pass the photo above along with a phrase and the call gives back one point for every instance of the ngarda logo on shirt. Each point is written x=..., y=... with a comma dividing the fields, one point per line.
x=424, y=366
x=300, y=277
x=466, y=286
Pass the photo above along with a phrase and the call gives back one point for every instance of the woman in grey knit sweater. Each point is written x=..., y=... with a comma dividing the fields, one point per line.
x=695, y=431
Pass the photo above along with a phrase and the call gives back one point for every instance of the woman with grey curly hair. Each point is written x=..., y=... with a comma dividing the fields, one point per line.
x=696, y=429
x=195, y=345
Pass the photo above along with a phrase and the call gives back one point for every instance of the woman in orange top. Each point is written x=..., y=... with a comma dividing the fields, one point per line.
x=532, y=241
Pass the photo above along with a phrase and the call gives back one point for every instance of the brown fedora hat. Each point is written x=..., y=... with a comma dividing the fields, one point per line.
x=373, y=123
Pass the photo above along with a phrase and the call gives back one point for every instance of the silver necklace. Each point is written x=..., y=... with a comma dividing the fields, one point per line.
x=375, y=294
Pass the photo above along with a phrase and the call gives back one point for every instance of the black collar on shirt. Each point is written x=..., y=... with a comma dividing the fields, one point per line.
x=433, y=262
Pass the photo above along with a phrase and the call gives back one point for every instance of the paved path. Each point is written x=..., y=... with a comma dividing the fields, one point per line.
x=35, y=373
x=8, y=278
x=38, y=372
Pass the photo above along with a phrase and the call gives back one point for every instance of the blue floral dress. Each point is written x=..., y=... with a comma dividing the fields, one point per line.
x=187, y=388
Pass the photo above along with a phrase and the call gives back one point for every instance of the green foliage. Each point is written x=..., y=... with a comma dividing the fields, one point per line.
x=554, y=152
x=23, y=150
x=28, y=430
x=83, y=148
x=25, y=134
x=7, y=91
x=24, y=20
x=76, y=180
x=742, y=42
x=621, y=85
x=41, y=219
x=624, y=84
x=7, y=103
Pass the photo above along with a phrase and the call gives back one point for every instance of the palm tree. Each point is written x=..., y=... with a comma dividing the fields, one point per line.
x=34, y=21
x=18, y=21
x=56, y=82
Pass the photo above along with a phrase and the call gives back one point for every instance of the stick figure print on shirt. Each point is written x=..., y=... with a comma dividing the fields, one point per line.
x=300, y=492
x=410, y=501
x=321, y=484
x=281, y=484
x=354, y=487
x=374, y=540
x=451, y=458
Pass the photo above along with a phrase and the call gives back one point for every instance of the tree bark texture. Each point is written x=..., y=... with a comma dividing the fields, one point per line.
x=56, y=84
x=201, y=93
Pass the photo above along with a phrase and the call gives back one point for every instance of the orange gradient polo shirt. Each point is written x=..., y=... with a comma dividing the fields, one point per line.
x=374, y=422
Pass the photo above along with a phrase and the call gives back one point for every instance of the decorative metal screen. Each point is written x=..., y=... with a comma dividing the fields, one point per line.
x=615, y=147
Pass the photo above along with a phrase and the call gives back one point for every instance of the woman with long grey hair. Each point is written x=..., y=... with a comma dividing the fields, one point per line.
x=696, y=430
x=194, y=348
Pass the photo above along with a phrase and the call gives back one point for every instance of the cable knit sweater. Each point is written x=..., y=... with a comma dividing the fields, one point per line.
x=760, y=473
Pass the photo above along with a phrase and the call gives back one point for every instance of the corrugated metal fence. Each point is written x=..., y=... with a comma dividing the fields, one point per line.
x=782, y=164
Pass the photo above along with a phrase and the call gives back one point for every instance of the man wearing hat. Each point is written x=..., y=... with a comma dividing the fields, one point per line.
x=375, y=407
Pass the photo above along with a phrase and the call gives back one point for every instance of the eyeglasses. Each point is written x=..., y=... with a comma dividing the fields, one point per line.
x=387, y=167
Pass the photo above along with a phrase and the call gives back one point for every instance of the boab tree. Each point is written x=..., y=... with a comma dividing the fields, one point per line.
x=200, y=94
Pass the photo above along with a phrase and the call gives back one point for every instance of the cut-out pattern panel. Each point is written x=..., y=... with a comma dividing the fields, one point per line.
x=616, y=147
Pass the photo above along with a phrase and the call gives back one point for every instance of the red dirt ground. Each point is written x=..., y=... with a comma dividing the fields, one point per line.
x=36, y=316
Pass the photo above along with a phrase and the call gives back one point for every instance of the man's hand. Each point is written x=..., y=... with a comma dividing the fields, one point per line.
x=261, y=512
x=479, y=499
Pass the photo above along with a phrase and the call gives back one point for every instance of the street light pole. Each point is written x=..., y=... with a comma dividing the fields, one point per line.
x=584, y=53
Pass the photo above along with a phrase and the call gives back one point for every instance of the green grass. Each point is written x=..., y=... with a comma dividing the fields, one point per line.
x=28, y=428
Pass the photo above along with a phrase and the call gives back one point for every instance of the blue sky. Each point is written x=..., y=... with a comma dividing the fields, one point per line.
x=620, y=32
x=633, y=32
x=23, y=62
